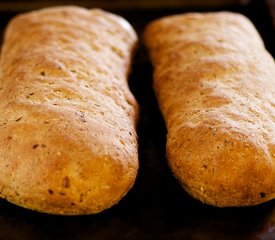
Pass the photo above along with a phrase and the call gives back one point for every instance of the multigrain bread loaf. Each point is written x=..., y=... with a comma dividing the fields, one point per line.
x=215, y=85
x=68, y=142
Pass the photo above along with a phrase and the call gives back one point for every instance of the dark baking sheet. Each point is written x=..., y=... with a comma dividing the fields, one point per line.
x=156, y=207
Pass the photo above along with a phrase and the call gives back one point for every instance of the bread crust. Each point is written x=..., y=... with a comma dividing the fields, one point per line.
x=214, y=81
x=68, y=140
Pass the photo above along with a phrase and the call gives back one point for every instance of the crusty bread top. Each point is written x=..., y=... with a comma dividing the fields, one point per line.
x=68, y=142
x=215, y=84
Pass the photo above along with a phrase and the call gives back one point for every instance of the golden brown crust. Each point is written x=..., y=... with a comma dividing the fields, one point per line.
x=68, y=140
x=215, y=85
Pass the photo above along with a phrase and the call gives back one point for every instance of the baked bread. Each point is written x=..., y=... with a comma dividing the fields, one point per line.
x=214, y=81
x=68, y=141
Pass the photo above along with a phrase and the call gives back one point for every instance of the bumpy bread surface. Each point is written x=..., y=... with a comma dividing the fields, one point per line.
x=215, y=85
x=68, y=141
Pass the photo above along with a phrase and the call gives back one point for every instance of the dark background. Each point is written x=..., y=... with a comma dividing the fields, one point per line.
x=156, y=207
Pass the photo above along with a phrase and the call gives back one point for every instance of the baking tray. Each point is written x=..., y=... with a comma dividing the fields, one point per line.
x=156, y=207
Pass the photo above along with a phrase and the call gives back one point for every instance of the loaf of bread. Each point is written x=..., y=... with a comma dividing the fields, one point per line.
x=68, y=142
x=215, y=85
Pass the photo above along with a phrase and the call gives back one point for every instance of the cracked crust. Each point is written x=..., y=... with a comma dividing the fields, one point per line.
x=214, y=82
x=68, y=140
